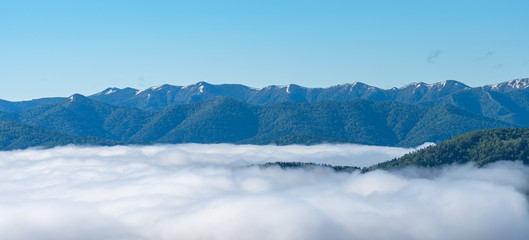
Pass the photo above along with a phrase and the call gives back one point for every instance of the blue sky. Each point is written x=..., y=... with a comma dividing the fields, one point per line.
x=57, y=48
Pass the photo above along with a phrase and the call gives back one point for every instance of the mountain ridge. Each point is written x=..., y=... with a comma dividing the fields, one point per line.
x=166, y=95
x=226, y=120
x=507, y=101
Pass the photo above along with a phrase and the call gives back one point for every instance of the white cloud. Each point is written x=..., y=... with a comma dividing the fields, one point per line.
x=195, y=192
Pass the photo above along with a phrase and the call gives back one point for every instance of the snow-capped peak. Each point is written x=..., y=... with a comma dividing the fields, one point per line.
x=450, y=83
x=140, y=91
x=76, y=97
x=156, y=88
x=516, y=84
x=438, y=85
x=416, y=85
x=360, y=84
x=110, y=91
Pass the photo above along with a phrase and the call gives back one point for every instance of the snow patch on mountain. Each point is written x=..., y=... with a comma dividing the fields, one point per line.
x=110, y=91
x=412, y=93
x=140, y=91
x=516, y=84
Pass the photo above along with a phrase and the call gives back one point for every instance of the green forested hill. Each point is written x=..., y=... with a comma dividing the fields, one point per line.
x=511, y=107
x=302, y=165
x=19, y=136
x=81, y=116
x=361, y=121
x=230, y=121
x=480, y=147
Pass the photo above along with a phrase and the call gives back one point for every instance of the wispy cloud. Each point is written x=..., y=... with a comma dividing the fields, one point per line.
x=434, y=55
x=195, y=192
x=144, y=82
x=485, y=56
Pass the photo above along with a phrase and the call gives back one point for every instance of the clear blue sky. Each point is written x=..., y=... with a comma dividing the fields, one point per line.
x=57, y=48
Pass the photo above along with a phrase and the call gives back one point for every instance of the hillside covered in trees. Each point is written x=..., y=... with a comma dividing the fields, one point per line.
x=16, y=135
x=224, y=120
x=479, y=147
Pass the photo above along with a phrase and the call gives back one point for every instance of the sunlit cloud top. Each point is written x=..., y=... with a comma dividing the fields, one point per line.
x=194, y=192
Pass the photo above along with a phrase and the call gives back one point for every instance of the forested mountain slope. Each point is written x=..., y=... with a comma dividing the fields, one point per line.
x=19, y=136
x=224, y=120
x=479, y=147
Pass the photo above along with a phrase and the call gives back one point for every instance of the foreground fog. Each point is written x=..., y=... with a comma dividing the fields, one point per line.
x=200, y=192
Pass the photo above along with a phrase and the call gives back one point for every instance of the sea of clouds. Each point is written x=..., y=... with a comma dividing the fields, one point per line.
x=195, y=191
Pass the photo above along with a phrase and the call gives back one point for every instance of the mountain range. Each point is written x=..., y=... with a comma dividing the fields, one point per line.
x=227, y=120
x=506, y=101
x=206, y=113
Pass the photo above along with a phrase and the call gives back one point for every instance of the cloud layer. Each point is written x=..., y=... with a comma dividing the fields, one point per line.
x=197, y=191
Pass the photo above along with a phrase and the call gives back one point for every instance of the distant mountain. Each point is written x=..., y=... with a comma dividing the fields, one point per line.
x=507, y=101
x=156, y=98
x=7, y=106
x=509, y=86
x=230, y=121
x=479, y=147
